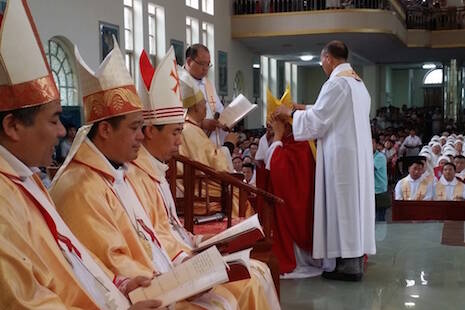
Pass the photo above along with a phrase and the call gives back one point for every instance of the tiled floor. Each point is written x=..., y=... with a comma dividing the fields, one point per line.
x=412, y=270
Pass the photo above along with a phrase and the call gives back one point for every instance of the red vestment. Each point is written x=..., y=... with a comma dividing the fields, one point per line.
x=292, y=174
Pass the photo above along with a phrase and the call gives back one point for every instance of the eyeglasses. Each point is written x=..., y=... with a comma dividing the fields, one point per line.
x=209, y=65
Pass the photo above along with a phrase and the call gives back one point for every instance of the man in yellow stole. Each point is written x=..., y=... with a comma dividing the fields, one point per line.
x=93, y=193
x=198, y=147
x=414, y=186
x=448, y=187
x=164, y=119
x=42, y=264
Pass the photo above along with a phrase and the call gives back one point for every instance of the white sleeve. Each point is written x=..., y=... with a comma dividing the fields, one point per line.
x=398, y=191
x=314, y=122
x=262, y=148
x=270, y=151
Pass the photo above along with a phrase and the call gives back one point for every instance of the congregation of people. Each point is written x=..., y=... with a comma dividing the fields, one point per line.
x=417, y=156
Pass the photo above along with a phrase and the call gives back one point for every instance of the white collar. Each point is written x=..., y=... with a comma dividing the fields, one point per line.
x=21, y=169
x=445, y=182
x=119, y=173
x=340, y=68
x=409, y=178
x=159, y=167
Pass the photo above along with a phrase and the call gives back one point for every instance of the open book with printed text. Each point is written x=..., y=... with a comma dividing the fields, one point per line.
x=236, y=111
x=238, y=237
x=194, y=276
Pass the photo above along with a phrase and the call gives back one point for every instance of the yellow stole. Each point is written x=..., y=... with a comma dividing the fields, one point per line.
x=442, y=195
x=421, y=192
x=210, y=92
x=350, y=73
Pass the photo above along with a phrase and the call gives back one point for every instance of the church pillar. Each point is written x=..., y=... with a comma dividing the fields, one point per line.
x=452, y=98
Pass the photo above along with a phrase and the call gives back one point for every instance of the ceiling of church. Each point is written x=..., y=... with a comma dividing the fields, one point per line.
x=366, y=48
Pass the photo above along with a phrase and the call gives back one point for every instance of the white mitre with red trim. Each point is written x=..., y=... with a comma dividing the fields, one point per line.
x=109, y=91
x=164, y=105
x=25, y=77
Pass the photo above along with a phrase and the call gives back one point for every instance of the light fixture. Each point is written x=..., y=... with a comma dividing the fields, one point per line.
x=429, y=66
x=306, y=57
x=256, y=66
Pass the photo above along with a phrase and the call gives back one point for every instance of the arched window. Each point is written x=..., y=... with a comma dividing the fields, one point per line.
x=63, y=72
x=433, y=77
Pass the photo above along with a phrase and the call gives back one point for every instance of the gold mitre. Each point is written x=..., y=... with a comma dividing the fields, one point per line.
x=272, y=103
x=110, y=91
x=164, y=104
x=25, y=77
x=191, y=94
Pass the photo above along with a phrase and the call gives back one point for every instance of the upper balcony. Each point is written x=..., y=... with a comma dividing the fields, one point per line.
x=382, y=31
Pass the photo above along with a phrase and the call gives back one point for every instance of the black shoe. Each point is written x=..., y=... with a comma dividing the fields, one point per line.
x=351, y=277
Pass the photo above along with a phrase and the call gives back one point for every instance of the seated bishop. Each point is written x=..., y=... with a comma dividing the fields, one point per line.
x=43, y=265
x=415, y=186
x=163, y=125
x=449, y=187
x=292, y=175
x=198, y=147
x=92, y=192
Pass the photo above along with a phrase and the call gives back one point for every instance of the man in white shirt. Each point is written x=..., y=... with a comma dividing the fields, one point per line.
x=411, y=145
x=197, y=65
x=413, y=186
x=448, y=187
x=345, y=208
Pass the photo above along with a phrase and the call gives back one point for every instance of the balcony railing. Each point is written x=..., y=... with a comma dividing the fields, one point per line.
x=415, y=18
x=278, y=6
x=436, y=18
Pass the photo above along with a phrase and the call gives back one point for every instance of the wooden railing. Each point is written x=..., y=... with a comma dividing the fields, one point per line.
x=193, y=172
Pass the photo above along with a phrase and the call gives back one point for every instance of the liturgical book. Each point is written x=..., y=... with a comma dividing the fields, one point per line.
x=238, y=237
x=236, y=111
x=196, y=275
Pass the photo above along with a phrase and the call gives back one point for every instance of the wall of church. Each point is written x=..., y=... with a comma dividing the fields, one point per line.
x=407, y=87
x=78, y=21
x=311, y=78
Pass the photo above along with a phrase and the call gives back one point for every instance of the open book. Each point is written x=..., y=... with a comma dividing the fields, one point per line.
x=236, y=111
x=238, y=237
x=196, y=275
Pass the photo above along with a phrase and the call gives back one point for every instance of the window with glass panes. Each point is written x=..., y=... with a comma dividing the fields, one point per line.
x=62, y=72
x=152, y=20
x=208, y=6
x=192, y=30
x=193, y=4
x=129, y=34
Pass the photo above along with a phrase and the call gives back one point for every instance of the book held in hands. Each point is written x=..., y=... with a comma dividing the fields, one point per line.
x=238, y=237
x=194, y=276
x=236, y=111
